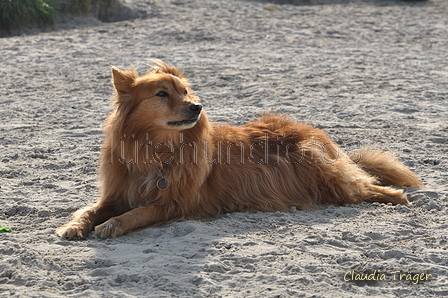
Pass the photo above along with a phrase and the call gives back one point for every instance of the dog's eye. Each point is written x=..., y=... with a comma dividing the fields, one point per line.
x=162, y=94
x=186, y=92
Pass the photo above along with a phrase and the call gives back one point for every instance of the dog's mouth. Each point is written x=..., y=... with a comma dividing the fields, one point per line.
x=183, y=122
x=187, y=123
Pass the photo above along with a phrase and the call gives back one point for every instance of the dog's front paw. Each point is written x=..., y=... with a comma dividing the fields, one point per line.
x=109, y=229
x=73, y=230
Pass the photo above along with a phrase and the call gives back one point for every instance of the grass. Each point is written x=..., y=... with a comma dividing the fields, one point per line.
x=76, y=6
x=16, y=13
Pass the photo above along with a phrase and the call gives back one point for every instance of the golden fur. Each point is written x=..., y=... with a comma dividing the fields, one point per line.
x=159, y=137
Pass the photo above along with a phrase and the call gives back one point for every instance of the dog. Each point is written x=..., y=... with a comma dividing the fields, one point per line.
x=163, y=160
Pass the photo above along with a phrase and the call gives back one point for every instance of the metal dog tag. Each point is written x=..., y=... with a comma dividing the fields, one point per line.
x=162, y=183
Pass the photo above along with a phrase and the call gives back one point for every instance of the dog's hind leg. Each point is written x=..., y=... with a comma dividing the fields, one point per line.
x=84, y=220
x=386, y=168
x=383, y=194
x=353, y=185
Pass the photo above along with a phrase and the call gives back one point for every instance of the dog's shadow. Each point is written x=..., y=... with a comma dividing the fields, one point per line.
x=286, y=250
x=195, y=258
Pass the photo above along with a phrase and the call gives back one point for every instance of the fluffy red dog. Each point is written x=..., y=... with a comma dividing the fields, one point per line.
x=164, y=160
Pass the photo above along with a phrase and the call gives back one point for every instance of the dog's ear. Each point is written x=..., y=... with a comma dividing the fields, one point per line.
x=123, y=81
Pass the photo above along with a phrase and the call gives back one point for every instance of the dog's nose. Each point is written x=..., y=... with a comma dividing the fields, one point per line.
x=195, y=107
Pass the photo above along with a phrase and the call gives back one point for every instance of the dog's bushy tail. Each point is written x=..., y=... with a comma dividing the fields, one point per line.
x=386, y=168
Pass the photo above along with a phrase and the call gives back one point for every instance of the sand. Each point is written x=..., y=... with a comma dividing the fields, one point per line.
x=368, y=73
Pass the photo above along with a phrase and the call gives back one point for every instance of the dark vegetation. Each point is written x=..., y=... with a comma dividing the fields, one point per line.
x=18, y=13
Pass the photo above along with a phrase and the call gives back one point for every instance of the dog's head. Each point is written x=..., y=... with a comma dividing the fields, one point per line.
x=161, y=97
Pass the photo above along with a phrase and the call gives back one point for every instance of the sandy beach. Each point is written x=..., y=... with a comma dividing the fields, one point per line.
x=371, y=73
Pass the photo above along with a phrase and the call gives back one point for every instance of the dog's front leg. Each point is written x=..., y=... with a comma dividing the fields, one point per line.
x=134, y=219
x=84, y=220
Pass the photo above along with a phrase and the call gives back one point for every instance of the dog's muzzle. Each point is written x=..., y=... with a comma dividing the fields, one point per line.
x=194, y=113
